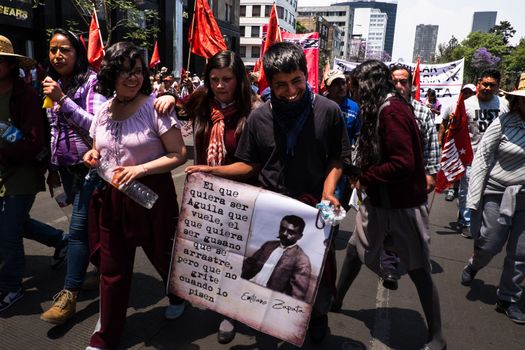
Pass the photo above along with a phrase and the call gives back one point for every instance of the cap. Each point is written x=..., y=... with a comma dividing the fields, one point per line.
x=332, y=75
x=471, y=87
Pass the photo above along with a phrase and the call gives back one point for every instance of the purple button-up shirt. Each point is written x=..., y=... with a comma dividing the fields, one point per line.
x=73, y=119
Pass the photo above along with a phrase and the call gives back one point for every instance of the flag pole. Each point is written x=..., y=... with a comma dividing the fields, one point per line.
x=98, y=27
x=191, y=35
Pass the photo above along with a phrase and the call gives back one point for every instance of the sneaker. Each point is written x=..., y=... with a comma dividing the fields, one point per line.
x=9, y=298
x=226, y=331
x=91, y=281
x=174, y=311
x=64, y=306
x=468, y=274
x=465, y=232
x=512, y=311
x=60, y=254
x=449, y=197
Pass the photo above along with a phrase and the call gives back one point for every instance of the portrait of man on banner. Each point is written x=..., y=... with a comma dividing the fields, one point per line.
x=284, y=254
x=281, y=265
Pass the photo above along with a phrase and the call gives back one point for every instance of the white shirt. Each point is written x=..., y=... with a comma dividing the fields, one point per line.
x=263, y=276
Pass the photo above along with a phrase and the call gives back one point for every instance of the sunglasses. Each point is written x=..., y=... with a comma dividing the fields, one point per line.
x=488, y=85
x=400, y=81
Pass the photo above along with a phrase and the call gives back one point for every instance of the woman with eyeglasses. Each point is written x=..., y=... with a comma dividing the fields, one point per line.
x=70, y=84
x=128, y=134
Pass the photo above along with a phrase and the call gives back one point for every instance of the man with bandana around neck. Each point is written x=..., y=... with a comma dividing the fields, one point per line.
x=294, y=144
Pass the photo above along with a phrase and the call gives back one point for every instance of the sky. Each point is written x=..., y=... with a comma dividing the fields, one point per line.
x=454, y=17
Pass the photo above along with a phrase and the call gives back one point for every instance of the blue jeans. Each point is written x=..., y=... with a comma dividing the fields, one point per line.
x=78, y=247
x=15, y=223
x=464, y=212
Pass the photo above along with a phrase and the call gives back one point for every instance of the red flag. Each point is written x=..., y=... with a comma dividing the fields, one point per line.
x=83, y=41
x=457, y=150
x=257, y=66
x=206, y=39
x=416, y=81
x=155, y=58
x=95, y=48
x=272, y=36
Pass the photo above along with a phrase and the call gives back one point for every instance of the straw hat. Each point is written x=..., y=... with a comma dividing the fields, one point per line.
x=6, y=49
x=520, y=91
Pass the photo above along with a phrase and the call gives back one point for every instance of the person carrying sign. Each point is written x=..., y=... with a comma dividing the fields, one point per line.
x=294, y=144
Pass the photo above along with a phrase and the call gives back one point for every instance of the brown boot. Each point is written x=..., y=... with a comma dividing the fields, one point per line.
x=64, y=306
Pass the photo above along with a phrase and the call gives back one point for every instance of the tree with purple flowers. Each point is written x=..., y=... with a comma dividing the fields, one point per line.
x=482, y=59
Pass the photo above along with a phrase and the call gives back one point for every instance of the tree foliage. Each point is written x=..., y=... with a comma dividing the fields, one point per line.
x=505, y=30
x=300, y=28
x=139, y=25
x=445, y=50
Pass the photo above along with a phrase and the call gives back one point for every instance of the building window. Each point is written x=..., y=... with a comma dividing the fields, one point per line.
x=256, y=11
x=280, y=12
x=243, y=11
x=267, y=10
x=242, y=51
x=228, y=13
x=255, y=31
x=256, y=52
x=242, y=30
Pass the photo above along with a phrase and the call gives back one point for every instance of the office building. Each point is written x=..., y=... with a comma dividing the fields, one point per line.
x=483, y=21
x=341, y=16
x=425, y=42
x=254, y=14
x=370, y=25
x=386, y=6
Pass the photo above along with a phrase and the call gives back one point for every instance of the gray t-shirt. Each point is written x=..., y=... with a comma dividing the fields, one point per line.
x=481, y=114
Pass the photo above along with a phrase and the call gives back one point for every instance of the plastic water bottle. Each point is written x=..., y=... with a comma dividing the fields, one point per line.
x=140, y=193
x=135, y=190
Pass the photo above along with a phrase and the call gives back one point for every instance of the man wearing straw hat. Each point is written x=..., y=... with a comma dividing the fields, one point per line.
x=21, y=176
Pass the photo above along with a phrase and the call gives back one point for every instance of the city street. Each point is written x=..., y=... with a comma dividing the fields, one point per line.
x=372, y=317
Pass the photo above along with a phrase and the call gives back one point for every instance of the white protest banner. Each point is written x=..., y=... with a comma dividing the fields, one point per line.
x=446, y=79
x=233, y=254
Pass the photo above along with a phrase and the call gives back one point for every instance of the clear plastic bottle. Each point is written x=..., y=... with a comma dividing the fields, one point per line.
x=135, y=190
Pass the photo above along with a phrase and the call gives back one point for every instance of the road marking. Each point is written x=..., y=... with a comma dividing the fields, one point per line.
x=381, y=332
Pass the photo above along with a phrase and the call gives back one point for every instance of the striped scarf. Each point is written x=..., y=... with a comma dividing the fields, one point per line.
x=216, y=147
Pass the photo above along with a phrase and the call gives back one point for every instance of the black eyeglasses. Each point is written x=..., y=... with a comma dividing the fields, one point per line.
x=126, y=74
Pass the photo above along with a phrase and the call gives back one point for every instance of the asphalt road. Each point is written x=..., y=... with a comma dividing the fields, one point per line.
x=372, y=317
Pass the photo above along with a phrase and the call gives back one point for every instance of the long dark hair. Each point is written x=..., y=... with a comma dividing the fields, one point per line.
x=113, y=62
x=81, y=71
x=371, y=82
x=198, y=106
